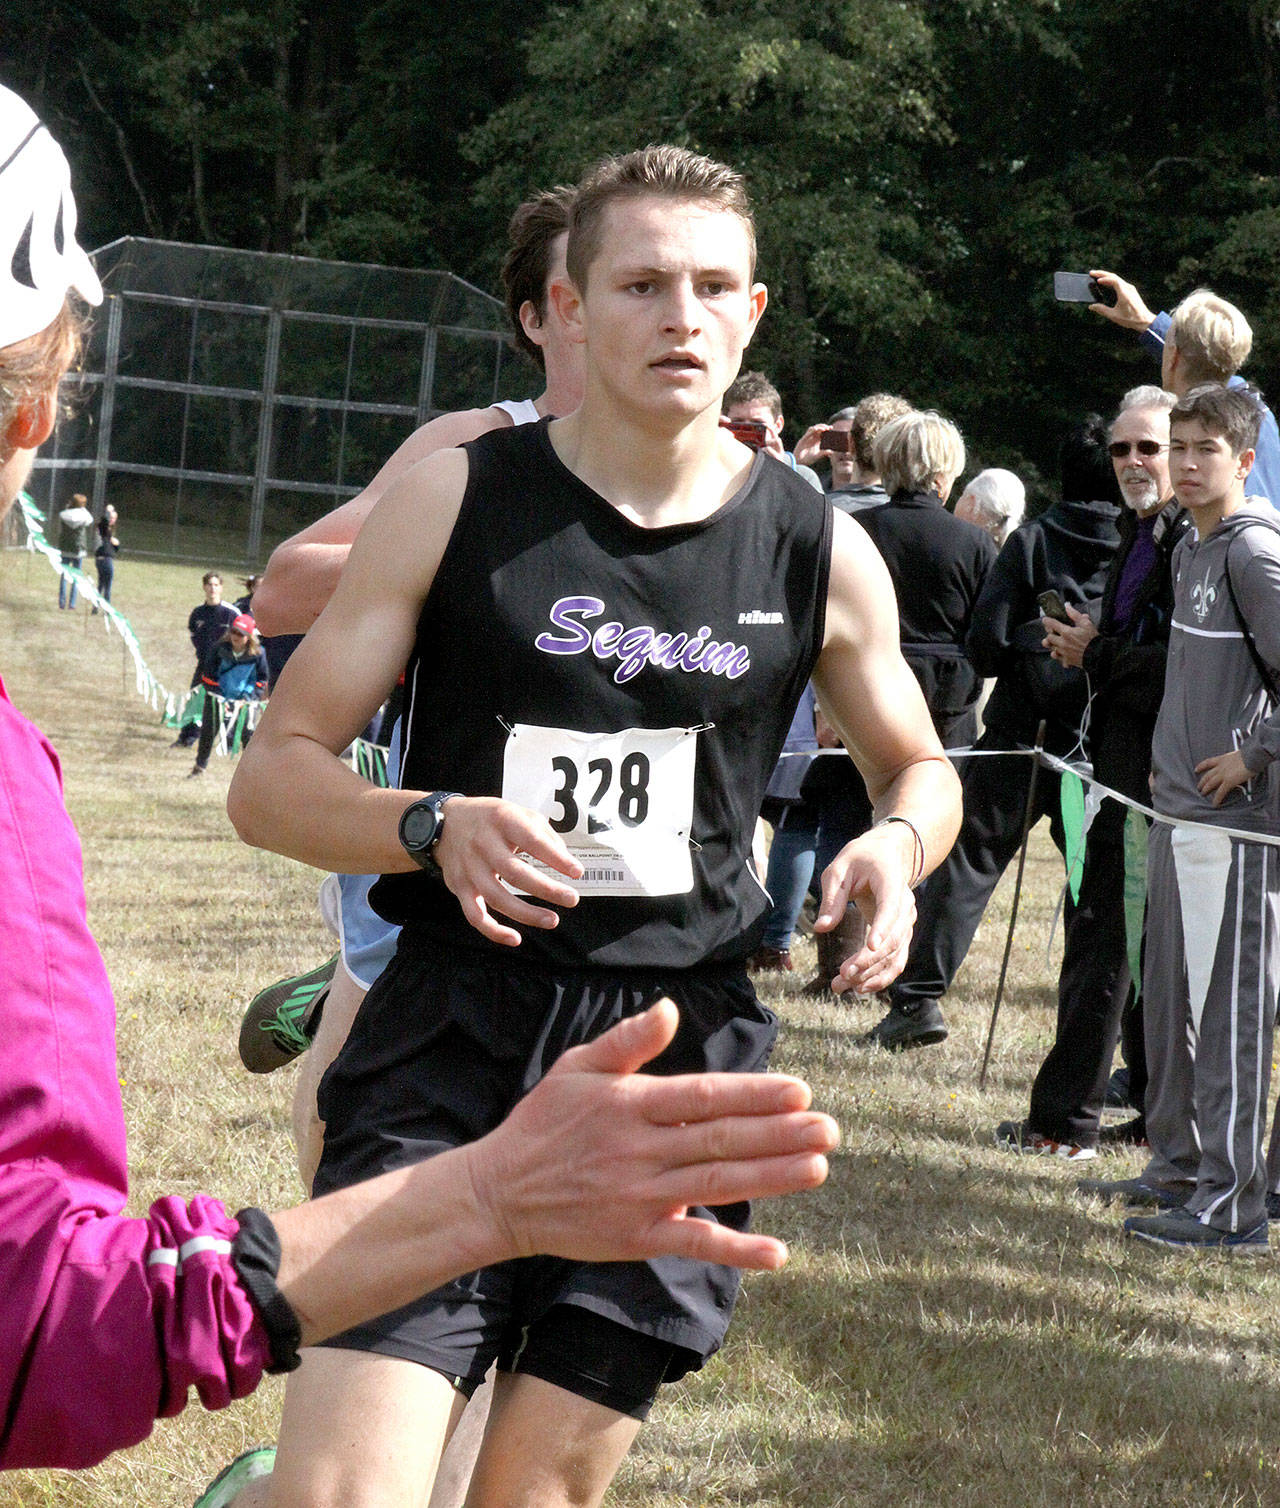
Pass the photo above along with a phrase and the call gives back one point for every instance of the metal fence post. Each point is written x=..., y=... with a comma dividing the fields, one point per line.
x=262, y=461
x=115, y=316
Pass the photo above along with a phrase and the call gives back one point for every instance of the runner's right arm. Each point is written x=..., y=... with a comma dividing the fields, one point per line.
x=331, y=817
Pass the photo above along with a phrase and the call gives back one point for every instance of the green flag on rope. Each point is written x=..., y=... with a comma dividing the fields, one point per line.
x=1136, y=828
x=190, y=711
x=235, y=738
x=1071, y=800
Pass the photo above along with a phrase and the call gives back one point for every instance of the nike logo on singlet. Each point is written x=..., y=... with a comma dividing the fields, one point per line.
x=634, y=648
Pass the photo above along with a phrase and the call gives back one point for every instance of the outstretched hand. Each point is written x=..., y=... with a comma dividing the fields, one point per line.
x=874, y=873
x=600, y=1162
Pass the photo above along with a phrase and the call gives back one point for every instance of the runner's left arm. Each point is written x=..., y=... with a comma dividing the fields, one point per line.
x=869, y=694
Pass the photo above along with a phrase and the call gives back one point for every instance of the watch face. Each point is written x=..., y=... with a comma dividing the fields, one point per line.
x=419, y=826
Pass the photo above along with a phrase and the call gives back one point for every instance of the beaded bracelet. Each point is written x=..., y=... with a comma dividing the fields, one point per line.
x=917, y=868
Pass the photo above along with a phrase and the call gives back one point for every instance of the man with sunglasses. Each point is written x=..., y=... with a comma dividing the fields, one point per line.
x=1123, y=655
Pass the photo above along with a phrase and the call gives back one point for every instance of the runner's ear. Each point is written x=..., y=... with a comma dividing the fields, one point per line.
x=567, y=302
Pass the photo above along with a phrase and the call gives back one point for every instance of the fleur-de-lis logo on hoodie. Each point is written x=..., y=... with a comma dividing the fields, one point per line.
x=1203, y=595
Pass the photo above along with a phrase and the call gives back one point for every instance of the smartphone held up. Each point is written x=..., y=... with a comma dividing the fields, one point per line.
x=1081, y=288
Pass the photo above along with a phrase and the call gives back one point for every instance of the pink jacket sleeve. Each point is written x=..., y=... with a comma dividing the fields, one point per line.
x=106, y=1322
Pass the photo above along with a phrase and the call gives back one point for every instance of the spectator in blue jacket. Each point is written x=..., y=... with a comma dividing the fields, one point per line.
x=235, y=669
x=1205, y=339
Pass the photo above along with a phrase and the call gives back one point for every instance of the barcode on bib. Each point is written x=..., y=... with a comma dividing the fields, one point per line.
x=604, y=876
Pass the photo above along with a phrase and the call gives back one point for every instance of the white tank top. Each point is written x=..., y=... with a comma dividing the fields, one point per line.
x=519, y=410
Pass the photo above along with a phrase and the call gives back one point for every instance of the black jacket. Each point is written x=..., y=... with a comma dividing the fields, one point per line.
x=1069, y=548
x=939, y=564
x=1126, y=667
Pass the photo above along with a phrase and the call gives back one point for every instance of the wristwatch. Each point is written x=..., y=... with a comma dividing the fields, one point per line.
x=420, y=828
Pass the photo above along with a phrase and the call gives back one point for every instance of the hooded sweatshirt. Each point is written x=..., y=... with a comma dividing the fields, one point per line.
x=106, y=1321
x=1214, y=696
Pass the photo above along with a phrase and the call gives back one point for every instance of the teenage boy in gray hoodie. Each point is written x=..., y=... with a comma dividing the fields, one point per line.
x=1212, y=961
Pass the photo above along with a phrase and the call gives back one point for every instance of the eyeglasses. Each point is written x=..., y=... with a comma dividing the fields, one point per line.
x=1120, y=448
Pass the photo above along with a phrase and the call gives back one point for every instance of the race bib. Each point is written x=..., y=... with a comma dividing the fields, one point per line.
x=622, y=802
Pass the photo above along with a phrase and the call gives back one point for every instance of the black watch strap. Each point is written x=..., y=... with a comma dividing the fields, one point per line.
x=421, y=824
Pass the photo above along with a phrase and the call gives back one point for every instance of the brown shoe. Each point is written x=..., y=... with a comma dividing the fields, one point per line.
x=843, y=941
x=770, y=961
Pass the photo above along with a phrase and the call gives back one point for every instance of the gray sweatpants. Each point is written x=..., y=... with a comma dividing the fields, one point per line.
x=1209, y=983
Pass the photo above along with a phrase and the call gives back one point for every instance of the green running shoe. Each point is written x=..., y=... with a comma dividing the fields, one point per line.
x=282, y=1019
x=225, y=1487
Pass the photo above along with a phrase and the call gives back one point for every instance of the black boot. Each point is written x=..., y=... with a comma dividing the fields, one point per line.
x=914, y=1023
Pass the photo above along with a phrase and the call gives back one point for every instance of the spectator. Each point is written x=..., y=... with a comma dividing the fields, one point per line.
x=206, y=624
x=817, y=444
x=995, y=500
x=1124, y=656
x=235, y=670
x=1211, y=965
x=1205, y=339
x=245, y=604
x=105, y=555
x=795, y=834
x=753, y=399
x=1067, y=549
x=938, y=564
x=76, y=522
x=862, y=489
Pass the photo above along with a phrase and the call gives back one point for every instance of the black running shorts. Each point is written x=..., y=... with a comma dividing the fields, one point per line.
x=442, y=1047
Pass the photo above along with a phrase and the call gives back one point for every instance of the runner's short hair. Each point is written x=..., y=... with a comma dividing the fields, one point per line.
x=1230, y=412
x=916, y=447
x=1212, y=336
x=527, y=264
x=32, y=367
x=753, y=387
x=869, y=418
x=667, y=171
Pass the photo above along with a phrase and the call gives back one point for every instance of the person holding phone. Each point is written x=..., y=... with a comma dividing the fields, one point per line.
x=830, y=442
x=753, y=412
x=1124, y=654
x=1205, y=339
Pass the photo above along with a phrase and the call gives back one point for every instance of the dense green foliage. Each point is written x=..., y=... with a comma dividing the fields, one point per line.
x=921, y=167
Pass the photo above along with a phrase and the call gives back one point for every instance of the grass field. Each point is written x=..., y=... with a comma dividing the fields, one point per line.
x=954, y=1326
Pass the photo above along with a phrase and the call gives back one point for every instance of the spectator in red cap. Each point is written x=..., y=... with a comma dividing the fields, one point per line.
x=235, y=670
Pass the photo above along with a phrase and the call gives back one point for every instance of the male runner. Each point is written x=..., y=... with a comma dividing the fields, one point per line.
x=607, y=621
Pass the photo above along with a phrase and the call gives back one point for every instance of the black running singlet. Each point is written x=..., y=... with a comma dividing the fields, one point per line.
x=634, y=685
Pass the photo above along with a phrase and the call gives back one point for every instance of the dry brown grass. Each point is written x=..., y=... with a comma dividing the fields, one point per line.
x=953, y=1327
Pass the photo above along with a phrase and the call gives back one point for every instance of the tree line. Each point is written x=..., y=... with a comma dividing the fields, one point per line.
x=920, y=167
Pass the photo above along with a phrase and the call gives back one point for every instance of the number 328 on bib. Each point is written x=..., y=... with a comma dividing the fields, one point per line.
x=622, y=802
